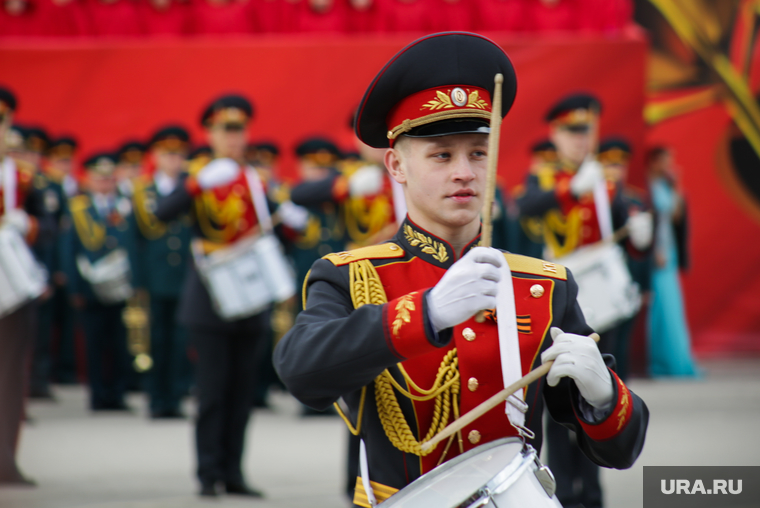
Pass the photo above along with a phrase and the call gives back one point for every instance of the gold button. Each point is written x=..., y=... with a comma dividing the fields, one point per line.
x=393, y=246
x=585, y=213
x=536, y=291
x=472, y=384
x=474, y=436
x=480, y=317
x=468, y=334
x=174, y=243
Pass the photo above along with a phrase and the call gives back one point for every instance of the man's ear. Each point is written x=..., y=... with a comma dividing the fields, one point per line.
x=393, y=163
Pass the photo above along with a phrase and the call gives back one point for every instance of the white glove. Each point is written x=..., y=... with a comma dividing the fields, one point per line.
x=366, y=181
x=578, y=357
x=294, y=216
x=217, y=173
x=18, y=220
x=586, y=178
x=469, y=286
x=640, y=229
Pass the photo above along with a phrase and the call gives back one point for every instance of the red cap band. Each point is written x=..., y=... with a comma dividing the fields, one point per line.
x=436, y=104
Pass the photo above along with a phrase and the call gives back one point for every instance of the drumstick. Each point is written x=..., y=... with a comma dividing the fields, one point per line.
x=493, y=163
x=492, y=402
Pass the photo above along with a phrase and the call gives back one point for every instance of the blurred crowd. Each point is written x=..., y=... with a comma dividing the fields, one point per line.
x=77, y=18
x=122, y=232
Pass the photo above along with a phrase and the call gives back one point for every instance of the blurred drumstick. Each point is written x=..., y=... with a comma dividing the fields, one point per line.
x=493, y=164
x=486, y=215
x=492, y=402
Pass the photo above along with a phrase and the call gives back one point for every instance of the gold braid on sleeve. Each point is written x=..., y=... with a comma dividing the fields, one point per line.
x=366, y=288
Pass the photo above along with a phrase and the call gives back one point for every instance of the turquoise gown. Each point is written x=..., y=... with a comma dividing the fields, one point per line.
x=669, y=338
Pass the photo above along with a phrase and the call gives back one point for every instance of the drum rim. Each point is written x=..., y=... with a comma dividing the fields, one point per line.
x=526, y=455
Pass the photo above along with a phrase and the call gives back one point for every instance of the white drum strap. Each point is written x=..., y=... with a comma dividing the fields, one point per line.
x=509, y=347
x=259, y=199
x=603, y=209
x=364, y=469
x=9, y=184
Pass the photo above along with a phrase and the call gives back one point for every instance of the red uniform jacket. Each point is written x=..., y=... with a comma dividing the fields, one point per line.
x=335, y=349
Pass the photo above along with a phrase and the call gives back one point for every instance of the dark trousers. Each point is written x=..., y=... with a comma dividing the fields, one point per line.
x=577, y=477
x=166, y=381
x=226, y=375
x=39, y=384
x=65, y=321
x=107, y=358
x=16, y=337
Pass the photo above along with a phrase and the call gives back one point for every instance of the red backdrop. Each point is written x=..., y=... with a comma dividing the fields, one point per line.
x=105, y=92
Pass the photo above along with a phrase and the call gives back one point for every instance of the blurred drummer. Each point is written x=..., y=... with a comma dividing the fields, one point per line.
x=98, y=229
x=382, y=321
x=615, y=156
x=566, y=196
x=21, y=209
x=225, y=210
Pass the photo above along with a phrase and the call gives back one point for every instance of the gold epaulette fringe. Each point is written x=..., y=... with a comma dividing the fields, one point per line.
x=366, y=288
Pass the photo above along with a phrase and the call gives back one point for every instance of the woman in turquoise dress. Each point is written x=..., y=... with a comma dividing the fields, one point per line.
x=669, y=338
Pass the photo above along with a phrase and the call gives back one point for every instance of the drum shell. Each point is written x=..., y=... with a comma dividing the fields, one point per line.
x=245, y=278
x=22, y=279
x=498, y=474
x=607, y=294
x=109, y=277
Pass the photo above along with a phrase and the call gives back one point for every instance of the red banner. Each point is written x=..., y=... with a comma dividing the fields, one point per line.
x=106, y=92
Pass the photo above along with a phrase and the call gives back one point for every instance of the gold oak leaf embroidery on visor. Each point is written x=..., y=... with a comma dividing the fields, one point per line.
x=435, y=249
x=443, y=101
x=403, y=315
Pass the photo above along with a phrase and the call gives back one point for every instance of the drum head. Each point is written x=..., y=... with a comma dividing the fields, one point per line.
x=451, y=483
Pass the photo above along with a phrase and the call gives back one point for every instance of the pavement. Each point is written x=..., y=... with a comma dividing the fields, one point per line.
x=117, y=460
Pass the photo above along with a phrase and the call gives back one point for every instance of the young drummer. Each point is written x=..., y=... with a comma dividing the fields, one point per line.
x=395, y=329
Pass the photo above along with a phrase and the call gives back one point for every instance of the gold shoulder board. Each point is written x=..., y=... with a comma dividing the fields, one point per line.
x=535, y=266
x=79, y=203
x=382, y=251
x=197, y=164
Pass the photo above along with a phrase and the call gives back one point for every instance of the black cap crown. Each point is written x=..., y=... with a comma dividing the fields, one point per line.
x=62, y=147
x=573, y=109
x=614, y=150
x=171, y=137
x=7, y=101
x=36, y=139
x=131, y=152
x=228, y=109
x=440, y=84
x=320, y=150
x=102, y=163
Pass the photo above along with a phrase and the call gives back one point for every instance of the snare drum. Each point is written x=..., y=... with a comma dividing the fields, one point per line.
x=606, y=293
x=500, y=474
x=245, y=278
x=22, y=278
x=109, y=277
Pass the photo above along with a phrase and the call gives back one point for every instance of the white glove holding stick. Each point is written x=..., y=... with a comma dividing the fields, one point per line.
x=17, y=219
x=578, y=357
x=586, y=178
x=294, y=216
x=466, y=288
x=366, y=181
x=218, y=173
x=640, y=229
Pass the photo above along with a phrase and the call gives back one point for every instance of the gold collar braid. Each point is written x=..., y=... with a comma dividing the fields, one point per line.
x=366, y=288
